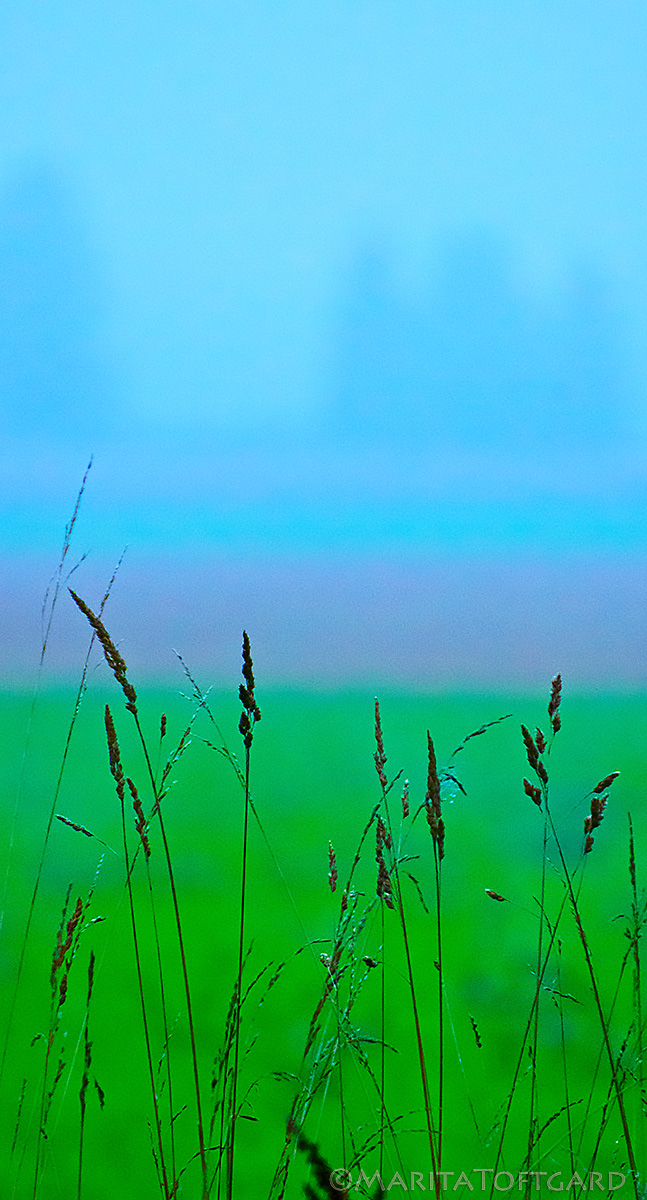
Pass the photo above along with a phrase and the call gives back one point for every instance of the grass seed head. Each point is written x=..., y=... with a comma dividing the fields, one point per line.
x=114, y=755
x=112, y=655
x=379, y=756
x=140, y=823
x=73, y=825
x=594, y=819
x=437, y=829
x=73, y=922
x=251, y=712
x=383, y=888
x=433, y=782
x=62, y=947
x=554, y=703
x=531, y=749
x=380, y=838
x=62, y=991
x=632, y=855
x=606, y=782
x=321, y=1170
x=332, y=872
x=534, y=792
x=432, y=800
x=90, y=977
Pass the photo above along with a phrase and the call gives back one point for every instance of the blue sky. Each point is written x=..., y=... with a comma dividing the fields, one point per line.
x=323, y=284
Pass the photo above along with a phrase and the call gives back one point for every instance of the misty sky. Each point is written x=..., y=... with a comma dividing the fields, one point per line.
x=329, y=282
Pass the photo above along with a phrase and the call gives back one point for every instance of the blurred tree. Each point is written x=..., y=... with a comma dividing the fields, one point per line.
x=476, y=362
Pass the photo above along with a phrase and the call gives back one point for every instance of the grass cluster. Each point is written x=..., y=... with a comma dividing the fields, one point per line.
x=429, y=986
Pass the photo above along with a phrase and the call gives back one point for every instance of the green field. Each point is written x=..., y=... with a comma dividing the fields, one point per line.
x=313, y=781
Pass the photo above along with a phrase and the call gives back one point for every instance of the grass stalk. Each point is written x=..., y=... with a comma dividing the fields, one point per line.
x=118, y=667
x=638, y=915
x=524, y=1041
x=441, y=1003
x=249, y=717
x=562, y=1038
x=239, y=985
x=87, y=1063
x=162, y=986
x=118, y=775
x=532, y=1117
x=420, y=1048
x=613, y=1067
x=436, y=824
x=157, y=808
x=383, y=1041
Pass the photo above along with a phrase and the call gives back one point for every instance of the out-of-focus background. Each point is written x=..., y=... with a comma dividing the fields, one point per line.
x=347, y=300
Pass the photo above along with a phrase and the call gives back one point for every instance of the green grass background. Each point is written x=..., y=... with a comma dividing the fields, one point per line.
x=313, y=779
